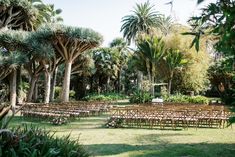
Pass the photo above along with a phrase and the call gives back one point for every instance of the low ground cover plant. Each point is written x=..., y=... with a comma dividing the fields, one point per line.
x=104, y=97
x=179, y=98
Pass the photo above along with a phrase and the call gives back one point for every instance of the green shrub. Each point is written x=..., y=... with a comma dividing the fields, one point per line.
x=58, y=91
x=140, y=97
x=34, y=142
x=179, y=98
x=198, y=100
x=104, y=97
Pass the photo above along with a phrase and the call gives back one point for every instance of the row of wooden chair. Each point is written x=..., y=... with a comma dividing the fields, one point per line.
x=172, y=116
x=69, y=110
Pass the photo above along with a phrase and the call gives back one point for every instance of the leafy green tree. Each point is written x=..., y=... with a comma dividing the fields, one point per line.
x=193, y=76
x=151, y=50
x=107, y=66
x=217, y=19
x=173, y=60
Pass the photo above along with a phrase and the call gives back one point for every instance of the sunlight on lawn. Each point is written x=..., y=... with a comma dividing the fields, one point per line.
x=101, y=141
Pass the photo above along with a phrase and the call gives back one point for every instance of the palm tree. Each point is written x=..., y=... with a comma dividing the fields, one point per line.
x=123, y=55
x=165, y=25
x=151, y=50
x=143, y=19
x=173, y=60
x=107, y=65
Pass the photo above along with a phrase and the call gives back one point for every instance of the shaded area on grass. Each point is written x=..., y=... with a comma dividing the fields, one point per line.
x=164, y=150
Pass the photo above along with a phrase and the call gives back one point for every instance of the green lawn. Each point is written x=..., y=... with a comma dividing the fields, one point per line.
x=125, y=142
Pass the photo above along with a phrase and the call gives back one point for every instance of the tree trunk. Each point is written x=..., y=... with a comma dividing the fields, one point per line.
x=66, y=82
x=139, y=80
x=119, y=80
x=47, y=87
x=91, y=84
x=169, y=86
x=19, y=86
x=53, y=84
x=108, y=84
x=152, y=85
x=170, y=82
x=31, y=89
x=13, y=90
x=35, y=94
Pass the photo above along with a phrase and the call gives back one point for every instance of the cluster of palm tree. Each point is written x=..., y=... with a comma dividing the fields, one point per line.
x=148, y=29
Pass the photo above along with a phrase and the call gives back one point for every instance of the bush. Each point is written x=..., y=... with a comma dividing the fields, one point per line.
x=179, y=98
x=104, y=97
x=140, y=97
x=35, y=142
x=58, y=91
x=198, y=100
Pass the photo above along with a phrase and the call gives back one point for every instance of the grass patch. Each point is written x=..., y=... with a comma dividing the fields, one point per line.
x=136, y=142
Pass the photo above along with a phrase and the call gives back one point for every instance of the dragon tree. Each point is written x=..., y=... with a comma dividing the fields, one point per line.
x=12, y=56
x=68, y=42
x=17, y=14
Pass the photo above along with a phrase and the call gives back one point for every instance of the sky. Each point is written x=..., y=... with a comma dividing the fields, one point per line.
x=104, y=16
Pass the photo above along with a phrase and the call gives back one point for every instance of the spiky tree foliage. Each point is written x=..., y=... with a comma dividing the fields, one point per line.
x=46, y=12
x=13, y=56
x=69, y=43
x=143, y=19
x=165, y=25
x=84, y=65
x=150, y=51
x=123, y=54
x=173, y=60
x=107, y=65
x=41, y=59
x=17, y=14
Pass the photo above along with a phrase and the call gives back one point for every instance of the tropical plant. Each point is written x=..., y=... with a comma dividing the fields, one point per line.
x=173, y=60
x=12, y=56
x=123, y=54
x=140, y=97
x=150, y=51
x=17, y=14
x=143, y=19
x=68, y=43
x=107, y=63
x=165, y=25
x=31, y=141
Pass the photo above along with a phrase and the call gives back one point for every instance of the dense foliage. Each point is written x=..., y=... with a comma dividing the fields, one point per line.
x=34, y=142
x=140, y=97
x=217, y=21
x=178, y=98
x=104, y=97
